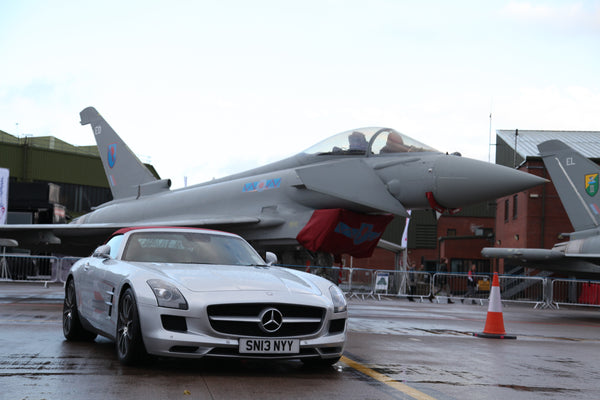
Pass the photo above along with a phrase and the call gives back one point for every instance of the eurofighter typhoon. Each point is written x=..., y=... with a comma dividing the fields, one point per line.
x=335, y=197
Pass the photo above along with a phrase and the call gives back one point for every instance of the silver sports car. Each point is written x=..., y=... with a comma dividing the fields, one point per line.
x=184, y=292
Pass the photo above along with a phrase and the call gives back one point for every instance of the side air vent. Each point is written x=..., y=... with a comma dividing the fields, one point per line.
x=173, y=323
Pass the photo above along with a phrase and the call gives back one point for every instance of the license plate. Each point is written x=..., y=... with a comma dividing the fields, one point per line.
x=269, y=346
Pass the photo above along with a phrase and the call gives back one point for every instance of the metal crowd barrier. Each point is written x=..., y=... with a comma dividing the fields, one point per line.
x=19, y=267
x=416, y=285
x=575, y=292
x=355, y=282
x=364, y=283
x=410, y=284
x=524, y=289
x=455, y=286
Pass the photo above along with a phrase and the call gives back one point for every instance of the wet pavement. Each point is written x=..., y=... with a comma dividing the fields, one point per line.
x=395, y=350
x=431, y=348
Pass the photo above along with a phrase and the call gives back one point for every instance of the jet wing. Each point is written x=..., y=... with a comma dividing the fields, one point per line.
x=351, y=180
x=82, y=239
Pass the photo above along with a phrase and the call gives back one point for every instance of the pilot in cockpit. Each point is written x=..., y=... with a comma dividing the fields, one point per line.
x=357, y=141
x=395, y=144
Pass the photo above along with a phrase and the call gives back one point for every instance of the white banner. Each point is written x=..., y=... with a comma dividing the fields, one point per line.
x=404, y=242
x=3, y=194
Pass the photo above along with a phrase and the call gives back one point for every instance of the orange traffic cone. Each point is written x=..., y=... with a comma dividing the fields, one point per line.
x=494, y=323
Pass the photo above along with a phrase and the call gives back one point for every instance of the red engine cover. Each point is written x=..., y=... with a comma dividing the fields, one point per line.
x=341, y=231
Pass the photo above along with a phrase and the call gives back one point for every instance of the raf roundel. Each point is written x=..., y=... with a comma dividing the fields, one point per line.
x=112, y=154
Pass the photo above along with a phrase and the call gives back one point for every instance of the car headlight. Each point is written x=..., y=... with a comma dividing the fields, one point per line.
x=339, y=301
x=167, y=295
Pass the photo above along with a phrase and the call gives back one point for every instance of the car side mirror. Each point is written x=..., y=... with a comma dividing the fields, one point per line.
x=270, y=258
x=102, y=251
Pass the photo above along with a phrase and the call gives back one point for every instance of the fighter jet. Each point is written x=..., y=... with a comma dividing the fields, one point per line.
x=335, y=197
x=576, y=180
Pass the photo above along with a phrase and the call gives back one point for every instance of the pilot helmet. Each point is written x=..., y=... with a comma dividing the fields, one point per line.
x=357, y=141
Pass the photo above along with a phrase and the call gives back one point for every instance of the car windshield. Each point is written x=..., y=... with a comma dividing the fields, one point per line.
x=368, y=141
x=189, y=248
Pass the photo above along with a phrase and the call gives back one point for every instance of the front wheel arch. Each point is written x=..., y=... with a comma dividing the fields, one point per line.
x=129, y=340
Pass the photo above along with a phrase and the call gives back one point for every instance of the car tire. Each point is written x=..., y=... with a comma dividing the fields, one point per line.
x=130, y=346
x=72, y=328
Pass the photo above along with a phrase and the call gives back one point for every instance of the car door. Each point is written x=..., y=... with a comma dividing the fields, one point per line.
x=105, y=275
x=84, y=288
x=108, y=278
x=91, y=291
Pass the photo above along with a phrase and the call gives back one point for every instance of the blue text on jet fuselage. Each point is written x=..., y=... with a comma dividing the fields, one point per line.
x=259, y=186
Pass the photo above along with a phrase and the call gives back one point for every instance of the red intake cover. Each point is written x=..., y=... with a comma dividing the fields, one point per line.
x=341, y=231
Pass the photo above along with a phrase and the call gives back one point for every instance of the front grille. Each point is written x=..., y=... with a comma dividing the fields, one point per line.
x=244, y=319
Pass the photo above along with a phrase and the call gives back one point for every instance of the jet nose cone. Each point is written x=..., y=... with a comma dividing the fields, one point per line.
x=462, y=181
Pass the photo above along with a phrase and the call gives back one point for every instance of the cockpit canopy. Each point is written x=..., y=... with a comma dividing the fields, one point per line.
x=368, y=141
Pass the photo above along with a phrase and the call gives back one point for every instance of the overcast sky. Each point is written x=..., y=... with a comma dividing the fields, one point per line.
x=208, y=88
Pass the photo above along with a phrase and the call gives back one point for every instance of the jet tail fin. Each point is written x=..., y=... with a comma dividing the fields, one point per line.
x=576, y=180
x=127, y=176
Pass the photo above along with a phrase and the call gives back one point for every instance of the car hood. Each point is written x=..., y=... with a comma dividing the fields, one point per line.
x=209, y=278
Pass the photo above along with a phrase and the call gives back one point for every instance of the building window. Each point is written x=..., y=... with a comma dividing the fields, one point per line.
x=451, y=232
x=506, y=210
x=515, y=208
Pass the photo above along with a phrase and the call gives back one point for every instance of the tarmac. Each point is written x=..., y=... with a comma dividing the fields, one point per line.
x=32, y=292
x=395, y=350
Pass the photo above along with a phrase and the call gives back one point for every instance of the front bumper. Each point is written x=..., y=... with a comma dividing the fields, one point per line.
x=190, y=335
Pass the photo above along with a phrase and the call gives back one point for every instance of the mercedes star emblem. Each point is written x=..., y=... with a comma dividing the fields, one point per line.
x=270, y=320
